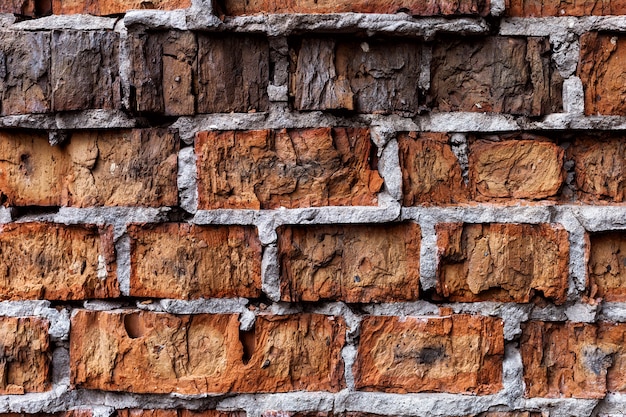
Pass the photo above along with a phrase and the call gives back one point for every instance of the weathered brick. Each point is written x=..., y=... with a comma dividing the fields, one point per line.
x=362, y=76
x=602, y=59
x=576, y=360
x=351, y=263
x=286, y=168
x=84, y=67
x=528, y=169
x=165, y=353
x=178, y=413
x=56, y=262
x=94, y=168
x=431, y=173
x=413, y=7
x=112, y=7
x=540, y=8
x=188, y=261
x=25, y=364
x=79, y=412
x=23, y=7
x=502, y=262
x=163, y=70
x=495, y=74
x=599, y=168
x=233, y=73
x=456, y=354
x=25, y=75
x=273, y=413
x=606, y=269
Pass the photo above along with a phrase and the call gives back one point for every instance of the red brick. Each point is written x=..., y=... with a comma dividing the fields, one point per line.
x=351, y=263
x=502, y=262
x=540, y=8
x=576, y=360
x=25, y=364
x=520, y=169
x=203, y=353
x=469, y=75
x=599, y=168
x=354, y=75
x=188, y=261
x=431, y=173
x=456, y=354
x=413, y=7
x=606, y=269
x=178, y=413
x=56, y=262
x=107, y=168
x=287, y=168
x=601, y=64
x=112, y=7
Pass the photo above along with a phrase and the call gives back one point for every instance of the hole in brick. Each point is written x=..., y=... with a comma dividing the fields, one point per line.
x=43, y=7
x=134, y=325
x=247, y=339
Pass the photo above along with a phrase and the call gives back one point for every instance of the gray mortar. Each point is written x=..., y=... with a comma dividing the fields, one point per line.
x=577, y=251
x=270, y=273
x=389, y=170
x=186, y=180
x=122, y=249
x=612, y=311
x=6, y=215
x=156, y=19
x=573, y=96
x=69, y=22
x=461, y=151
x=565, y=51
x=124, y=63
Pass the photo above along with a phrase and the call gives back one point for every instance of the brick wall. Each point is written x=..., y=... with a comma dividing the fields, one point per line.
x=312, y=208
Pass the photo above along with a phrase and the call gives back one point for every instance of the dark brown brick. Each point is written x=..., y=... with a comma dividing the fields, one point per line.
x=471, y=75
x=366, y=76
x=351, y=263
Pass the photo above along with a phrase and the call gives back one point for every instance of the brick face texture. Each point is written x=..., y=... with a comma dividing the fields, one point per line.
x=312, y=208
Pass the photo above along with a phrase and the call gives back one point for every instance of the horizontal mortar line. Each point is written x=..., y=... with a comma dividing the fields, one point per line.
x=79, y=120
x=549, y=25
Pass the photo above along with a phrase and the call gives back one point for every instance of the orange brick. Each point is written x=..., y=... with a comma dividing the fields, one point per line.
x=420, y=8
x=188, y=261
x=502, y=262
x=599, y=167
x=178, y=413
x=431, y=173
x=528, y=169
x=540, y=8
x=601, y=64
x=456, y=354
x=26, y=357
x=576, y=360
x=289, y=168
x=607, y=266
x=125, y=168
x=111, y=7
x=204, y=353
x=351, y=263
x=56, y=262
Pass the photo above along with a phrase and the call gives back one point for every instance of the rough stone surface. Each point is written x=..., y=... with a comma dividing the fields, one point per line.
x=599, y=168
x=161, y=353
x=366, y=76
x=519, y=169
x=607, y=266
x=502, y=262
x=187, y=261
x=351, y=263
x=431, y=173
x=469, y=75
x=25, y=362
x=539, y=8
x=233, y=73
x=112, y=7
x=288, y=168
x=56, y=262
x=24, y=72
x=112, y=168
x=456, y=354
x=602, y=58
x=163, y=71
x=419, y=8
x=576, y=360
x=84, y=67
